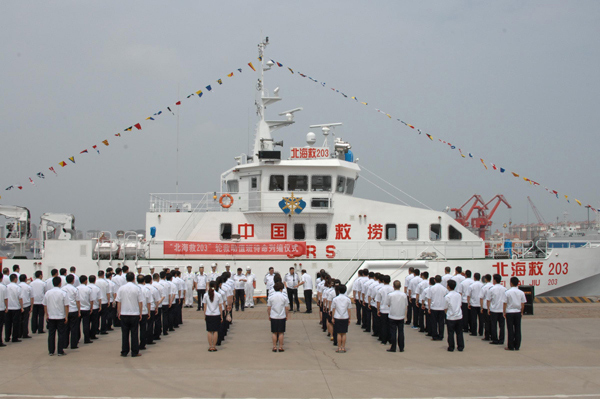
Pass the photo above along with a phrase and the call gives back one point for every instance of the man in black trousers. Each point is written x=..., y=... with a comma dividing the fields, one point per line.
x=56, y=308
x=38, y=289
x=129, y=312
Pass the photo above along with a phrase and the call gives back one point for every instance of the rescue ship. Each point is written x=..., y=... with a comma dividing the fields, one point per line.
x=298, y=208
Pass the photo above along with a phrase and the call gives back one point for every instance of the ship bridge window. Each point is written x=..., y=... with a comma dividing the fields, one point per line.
x=350, y=186
x=435, y=232
x=321, y=183
x=341, y=184
x=233, y=186
x=225, y=231
x=412, y=233
x=297, y=183
x=453, y=233
x=254, y=182
x=319, y=203
x=299, y=231
x=321, y=231
x=390, y=232
x=276, y=183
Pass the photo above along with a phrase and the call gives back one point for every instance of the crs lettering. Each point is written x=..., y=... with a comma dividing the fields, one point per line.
x=311, y=251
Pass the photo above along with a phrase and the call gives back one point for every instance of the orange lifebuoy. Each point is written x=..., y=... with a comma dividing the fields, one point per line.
x=230, y=200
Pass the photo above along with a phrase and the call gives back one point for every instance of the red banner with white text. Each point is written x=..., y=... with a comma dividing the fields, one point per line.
x=286, y=248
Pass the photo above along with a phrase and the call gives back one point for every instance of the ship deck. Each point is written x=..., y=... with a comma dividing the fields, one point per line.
x=560, y=355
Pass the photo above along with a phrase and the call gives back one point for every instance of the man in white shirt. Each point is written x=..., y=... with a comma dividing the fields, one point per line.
x=291, y=280
x=74, y=312
x=200, y=285
x=86, y=303
x=250, y=287
x=188, y=279
x=356, y=289
x=473, y=295
x=278, y=307
x=513, y=311
x=409, y=276
x=129, y=311
x=420, y=309
x=453, y=307
x=158, y=318
x=180, y=284
x=268, y=280
x=213, y=275
x=6, y=276
x=96, y=297
x=383, y=310
x=307, y=284
x=38, y=289
x=486, y=322
x=436, y=306
x=17, y=270
x=56, y=308
x=3, y=307
x=63, y=276
x=366, y=314
x=146, y=305
x=119, y=280
x=104, y=301
x=412, y=294
x=240, y=289
x=342, y=317
x=153, y=310
x=464, y=286
x=76, y=281
x=446, y=276
x=496, y=297
x=14, y=310
x=167, y=305
x=397, y=302
x=111, y=313
x=27, y=295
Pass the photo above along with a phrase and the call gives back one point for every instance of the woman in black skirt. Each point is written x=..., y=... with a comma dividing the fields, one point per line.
x=278, y=310
x=213, y=315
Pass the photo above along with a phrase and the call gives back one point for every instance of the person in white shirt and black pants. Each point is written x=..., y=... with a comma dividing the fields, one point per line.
x=14, y=310
x=278, y=306
x=240, y=289
x=56, y=308
x=496, y=297
x=513, y=311
x=129, y=312
x=38, y=289
x=3, y=308
x=453, y=305
x=306, y=283
x=397, y=302
x=292, y=279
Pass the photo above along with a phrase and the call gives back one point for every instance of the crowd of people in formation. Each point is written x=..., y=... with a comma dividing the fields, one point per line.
x=73, y=307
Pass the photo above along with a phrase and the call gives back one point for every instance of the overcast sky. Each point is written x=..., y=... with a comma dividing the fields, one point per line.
x=516, y=83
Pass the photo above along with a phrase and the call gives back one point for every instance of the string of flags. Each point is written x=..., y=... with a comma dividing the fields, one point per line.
x=137, y=126
x=431, y=138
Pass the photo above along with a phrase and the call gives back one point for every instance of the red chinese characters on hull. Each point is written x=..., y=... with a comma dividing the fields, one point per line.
x=279, y=249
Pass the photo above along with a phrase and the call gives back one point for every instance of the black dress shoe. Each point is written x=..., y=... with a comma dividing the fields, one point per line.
x=150, y=343
x=460, y=349
x=103, y=333
x=89, y=342
x=390, y=350
x=157, y=338
x=494, y=343
x=25, y=337
x=2, y=344
x=16, y=340
x=123, y=355
x=450, y=350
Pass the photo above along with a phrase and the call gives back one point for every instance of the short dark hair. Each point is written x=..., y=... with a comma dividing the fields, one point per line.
x=92, y=278
x=342, y=289
x=468, y=273
x=23, y=277
x=239, y=269
x=56, y=281
x=15, y=268
x=70, y=279
x=163, y=274
x=386, y=279
x=83, y=279
x=125, y=269
x=458, y=269
x=514, y=281
x=54, y=272
x=140, y=279
x=488, y=278
x=130, y=277
x=118, y=270
x=432, y=280
x=278, y=286
x=73, y=269
x=271, y=268
x=497, y=278
x=417, y=272
x=100, y=273
x=448, y=269
x=148, y=279
x=438, y=278
x=38, y=274
x=451, y=285
x=477, y=277
x=397, y=284
x=303, y=271
x=63, y=271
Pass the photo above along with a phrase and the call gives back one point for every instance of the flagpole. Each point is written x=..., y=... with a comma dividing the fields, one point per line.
x=177, y=152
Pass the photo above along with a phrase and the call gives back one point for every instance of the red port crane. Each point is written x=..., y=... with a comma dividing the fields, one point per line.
x=462, y=218
x=484, y=219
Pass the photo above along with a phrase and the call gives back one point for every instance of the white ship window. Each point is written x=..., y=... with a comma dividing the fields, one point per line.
x=225, y=231
x=319, y=203
x=435, y=232
x=233, y=186
x=321, y=231
x=350, y=186
x=276, y=183
x=453, y=233
x=341, y=184
x=297, y=183
x=412, y=233
x=390, y=232
x=299, y=231
x=321, y=183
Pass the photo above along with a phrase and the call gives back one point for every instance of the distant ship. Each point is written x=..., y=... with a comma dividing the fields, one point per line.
x=301, y=211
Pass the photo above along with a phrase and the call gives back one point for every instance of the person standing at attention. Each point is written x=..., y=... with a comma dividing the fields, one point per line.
x=496, y=297
x=397, y=302
x=513, y=311
x=200, y=286
x=56, y=308
x=307, y=284
x=250, y=287
x=188, y=278
x=129, y=312
x=340, y=308
x=278, y=307
x=38, y=288
x=453, y=307
x=240, y=289
x=213, y=315
x=291, y=280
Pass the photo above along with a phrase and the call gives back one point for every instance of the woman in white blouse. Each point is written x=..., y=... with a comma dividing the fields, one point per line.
x=213, y=315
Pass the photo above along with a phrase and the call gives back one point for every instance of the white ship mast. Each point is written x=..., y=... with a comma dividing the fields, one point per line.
x=264, y=140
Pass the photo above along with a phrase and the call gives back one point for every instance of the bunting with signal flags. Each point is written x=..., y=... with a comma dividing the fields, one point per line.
x=494, y=167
